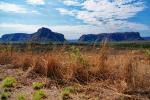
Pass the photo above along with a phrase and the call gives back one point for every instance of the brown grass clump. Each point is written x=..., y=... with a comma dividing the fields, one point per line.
x=54, y=68
x=79, y=74
x=40, y=66
x=28, y=62
x=129, y=72
x=48, y=66
x=102, y=71
x=5, y=58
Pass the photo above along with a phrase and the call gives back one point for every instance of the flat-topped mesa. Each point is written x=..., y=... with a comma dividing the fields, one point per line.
x=118, y=36
x=42, y=35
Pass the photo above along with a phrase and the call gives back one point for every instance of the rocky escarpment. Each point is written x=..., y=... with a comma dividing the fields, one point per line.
x=42, y=35
x=122, y=36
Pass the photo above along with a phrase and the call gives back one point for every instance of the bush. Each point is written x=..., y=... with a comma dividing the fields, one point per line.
x=147, y=52
x=38, y=95
x=80, y=66
x=37, y=85
x=65, y=93
x=4, y=95
x=9, y=82
x=21, y=97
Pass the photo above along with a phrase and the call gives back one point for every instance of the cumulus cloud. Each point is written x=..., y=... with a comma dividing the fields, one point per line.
x=8, y=7
x=14, y=8
x=65, y=11
x=113, y=14
x=36, y=2
x=71, y=2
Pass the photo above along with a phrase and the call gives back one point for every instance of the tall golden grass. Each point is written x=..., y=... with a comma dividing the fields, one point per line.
x=130, y=67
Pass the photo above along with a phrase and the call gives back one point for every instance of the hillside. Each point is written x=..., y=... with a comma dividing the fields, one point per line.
x=124, y=36
x=42, y=35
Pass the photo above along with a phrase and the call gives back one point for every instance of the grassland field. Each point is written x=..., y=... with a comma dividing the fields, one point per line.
x=75, y=71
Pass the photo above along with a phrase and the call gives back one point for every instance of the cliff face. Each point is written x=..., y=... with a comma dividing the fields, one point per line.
x=15, y=37
x=42, y=35
x=122, y=36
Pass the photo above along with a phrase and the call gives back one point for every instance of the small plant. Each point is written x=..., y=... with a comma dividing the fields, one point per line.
x=9, y=82
x=65, y=93
x=147, y=52
x=21, y=97
x=4, y=96
x=38, y=95
x=37, y=85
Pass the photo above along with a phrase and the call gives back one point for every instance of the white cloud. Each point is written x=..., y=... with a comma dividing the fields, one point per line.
x=7, y=7
x=113, y=14
x=75, y=31
x=71, y=2
x=14, y=8
x=36, y=2
x=65, y=11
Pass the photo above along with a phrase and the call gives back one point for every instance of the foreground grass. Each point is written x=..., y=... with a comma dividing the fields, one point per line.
x=123, y=71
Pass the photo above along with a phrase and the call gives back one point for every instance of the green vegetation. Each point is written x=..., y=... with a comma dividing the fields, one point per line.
x=21, y=97
x=40, y=47
x=4, y=96
x=9, y=82
x=147, y=52
x=38, y=95
x=37, y=85
x=76, y=55
x=65, y=93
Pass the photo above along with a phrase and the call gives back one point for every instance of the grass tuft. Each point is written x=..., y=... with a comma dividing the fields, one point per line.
x=65, y=93
x=39, y=95
x=9, y=82
x=37, y=85
x=21, y=97
x=4, y=95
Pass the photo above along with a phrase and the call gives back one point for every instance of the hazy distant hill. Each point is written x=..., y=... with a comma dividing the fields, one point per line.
x=146, y=38
x=47, y=35
x=121, y=36
x=42, y=35
x=15, y=37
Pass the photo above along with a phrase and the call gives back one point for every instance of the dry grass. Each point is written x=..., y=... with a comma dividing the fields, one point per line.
x=5, y=58
x=128, y=71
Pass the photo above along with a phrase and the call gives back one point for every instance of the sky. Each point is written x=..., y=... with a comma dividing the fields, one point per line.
x=75, y=17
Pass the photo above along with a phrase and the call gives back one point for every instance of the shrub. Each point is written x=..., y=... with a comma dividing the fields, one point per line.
x=37, y=85
x=80, y=66
x=4, y=95
x=38, y=95
x=21, y=97
x=147, y=52
x=65, y=93
x=9, y=82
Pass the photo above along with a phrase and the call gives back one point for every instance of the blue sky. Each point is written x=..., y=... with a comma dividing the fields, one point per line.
x=75, y=17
